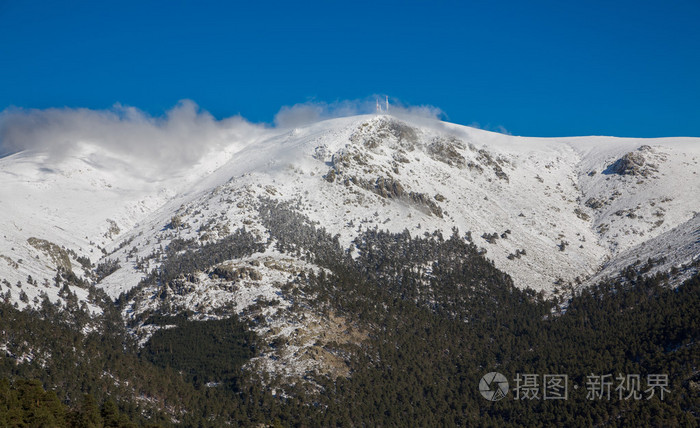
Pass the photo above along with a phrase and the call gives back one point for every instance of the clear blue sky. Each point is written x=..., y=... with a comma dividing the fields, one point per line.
x=544, y=68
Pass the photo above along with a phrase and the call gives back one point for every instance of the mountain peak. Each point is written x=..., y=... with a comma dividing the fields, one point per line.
x=570, y=204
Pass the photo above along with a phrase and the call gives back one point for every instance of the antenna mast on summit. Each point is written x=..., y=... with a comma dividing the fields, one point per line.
x=379, y=106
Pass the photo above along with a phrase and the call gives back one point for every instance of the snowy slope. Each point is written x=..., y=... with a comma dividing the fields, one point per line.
x=572, y=204
x=676, y=251
x=55, y=210
x=541, y=195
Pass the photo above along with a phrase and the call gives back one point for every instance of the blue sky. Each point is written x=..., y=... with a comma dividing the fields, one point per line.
x=540, y=68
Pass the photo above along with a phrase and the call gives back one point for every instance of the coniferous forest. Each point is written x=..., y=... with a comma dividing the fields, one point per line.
x=437, y=315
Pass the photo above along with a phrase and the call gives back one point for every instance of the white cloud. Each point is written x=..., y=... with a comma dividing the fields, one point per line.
x=298, y=115
x=178, y=139
x=309, y=112
x=129, y=137
x=498, y=128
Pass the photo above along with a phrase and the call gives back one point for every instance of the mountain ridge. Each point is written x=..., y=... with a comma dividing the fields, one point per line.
x=475, y=180
x=302, y=240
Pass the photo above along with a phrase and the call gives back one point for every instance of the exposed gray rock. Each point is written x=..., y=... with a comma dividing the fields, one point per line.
x=633, y=163
x=445, y=150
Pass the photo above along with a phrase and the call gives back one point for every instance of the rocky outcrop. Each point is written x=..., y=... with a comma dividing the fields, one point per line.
x=385, y=132
x=445, y=150
x=487, y=160
x=633, y=163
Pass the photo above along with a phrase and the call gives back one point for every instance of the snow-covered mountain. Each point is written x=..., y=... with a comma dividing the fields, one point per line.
x=553, y=213
x=548, y=211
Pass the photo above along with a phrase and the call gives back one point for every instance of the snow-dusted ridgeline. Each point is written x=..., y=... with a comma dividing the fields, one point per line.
x=574, y=205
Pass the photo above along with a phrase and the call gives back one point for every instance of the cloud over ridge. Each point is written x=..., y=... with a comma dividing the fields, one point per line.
x=180, y=137
x=312, y=111
x=176, y=140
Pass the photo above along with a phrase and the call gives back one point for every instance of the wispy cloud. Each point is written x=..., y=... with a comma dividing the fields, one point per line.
x=313, y=111
x=177, y=139
x=488, y=127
